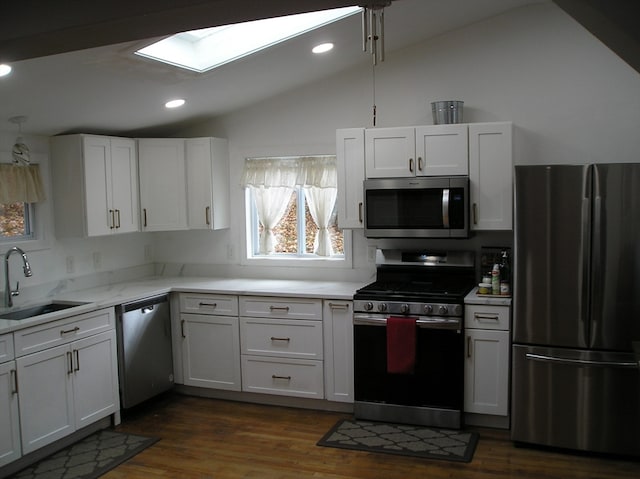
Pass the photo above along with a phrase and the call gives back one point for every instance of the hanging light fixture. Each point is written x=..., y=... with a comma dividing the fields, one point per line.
x=20, y=151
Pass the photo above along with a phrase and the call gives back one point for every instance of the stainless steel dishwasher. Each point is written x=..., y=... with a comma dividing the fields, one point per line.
x=145, y=362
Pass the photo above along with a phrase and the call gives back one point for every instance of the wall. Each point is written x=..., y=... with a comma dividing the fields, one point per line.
x=570, y=98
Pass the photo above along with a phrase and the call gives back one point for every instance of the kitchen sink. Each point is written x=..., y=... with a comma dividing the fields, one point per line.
x=33, y=311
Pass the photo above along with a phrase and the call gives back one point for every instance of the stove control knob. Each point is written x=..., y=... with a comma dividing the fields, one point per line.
x=368, y=306
x=404, y=308
x=443, y=310
x=382, y=307
x=428, y=309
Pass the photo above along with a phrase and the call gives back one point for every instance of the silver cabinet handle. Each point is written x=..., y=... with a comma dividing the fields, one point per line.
x=475, y=213
x=273, y=338
x=484, y=317
x=411, y=165
x=339, y=306
x=113, y=221
x=118, y=217
x=144, y=216
x=279, y=308
x=68, y=331
x=14, y=381
x=360, y=212
x=419, y=163
x=69, y=363
x=211, y=305
x=182, y=328
x=286, y=378
x=207, y=215
x=468, y=346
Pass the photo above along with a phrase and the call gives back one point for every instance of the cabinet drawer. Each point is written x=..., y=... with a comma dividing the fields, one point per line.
x=218, y=304
x=477, y=316
x=266, y=307
x=6, y=347
x=37, y=338
x=293, y=338
x=286, y=377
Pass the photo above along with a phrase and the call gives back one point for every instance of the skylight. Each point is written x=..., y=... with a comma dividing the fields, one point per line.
x=203, y=50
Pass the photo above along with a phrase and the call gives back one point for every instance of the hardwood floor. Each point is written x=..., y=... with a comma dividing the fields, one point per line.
x=207, y=438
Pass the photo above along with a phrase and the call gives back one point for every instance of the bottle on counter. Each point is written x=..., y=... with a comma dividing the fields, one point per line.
x=505, y=274
x=495, y=279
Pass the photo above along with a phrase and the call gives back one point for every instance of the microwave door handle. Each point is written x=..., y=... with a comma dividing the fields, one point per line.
x=445, y=208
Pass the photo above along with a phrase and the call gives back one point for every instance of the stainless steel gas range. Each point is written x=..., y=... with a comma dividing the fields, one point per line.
x=408, y=338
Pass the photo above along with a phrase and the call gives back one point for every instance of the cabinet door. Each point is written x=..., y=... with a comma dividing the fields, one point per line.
x=211, y=351
x=46, y=397
x=442, y=150
x=350, y=162
x=487, y=372
x=97, y=179
x=9, y=419
x=124, y=182
x=163, y=196
x=338, y=351
x=491, y=176
x=390, y=152
x=95, y=378
x=207, y=163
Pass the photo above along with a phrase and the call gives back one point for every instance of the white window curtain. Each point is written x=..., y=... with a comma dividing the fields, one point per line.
x=20, y=184
x=282, y=175
x=321, y=202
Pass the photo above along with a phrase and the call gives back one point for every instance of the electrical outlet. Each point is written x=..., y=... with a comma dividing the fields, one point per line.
x=97, y=260
x=71, y=264
x=230, y=251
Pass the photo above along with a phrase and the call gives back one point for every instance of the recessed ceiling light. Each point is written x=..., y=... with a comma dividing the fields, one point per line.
x=174, y=103
x=202, y=50
x=4, y=70
x=322, y=48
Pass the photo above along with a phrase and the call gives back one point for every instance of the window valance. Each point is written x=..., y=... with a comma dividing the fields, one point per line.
x=318, y=171
x=20, y=183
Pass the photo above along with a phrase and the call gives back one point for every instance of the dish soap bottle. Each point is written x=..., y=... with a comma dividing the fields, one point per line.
x=505, y=274
x=495, y=279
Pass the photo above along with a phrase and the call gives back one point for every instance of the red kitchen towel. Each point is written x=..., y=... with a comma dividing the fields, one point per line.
x=401, y=345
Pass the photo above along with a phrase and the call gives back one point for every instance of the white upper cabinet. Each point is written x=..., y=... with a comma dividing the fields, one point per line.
x=207, y=163
x=163, y=194
x=440, y=150
x=491, y=176
x=350, y=162
x=95, y=185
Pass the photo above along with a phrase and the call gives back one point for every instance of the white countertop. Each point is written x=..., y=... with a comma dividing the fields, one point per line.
x=474, y=298
x=115, y=294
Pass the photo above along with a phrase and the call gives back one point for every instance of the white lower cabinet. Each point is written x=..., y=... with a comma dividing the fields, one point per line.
x=210, y=341
x=67, y=387
x=67, y=376
x=338, y=350
x=486, y=396
x=10, y=449
x=282, y=346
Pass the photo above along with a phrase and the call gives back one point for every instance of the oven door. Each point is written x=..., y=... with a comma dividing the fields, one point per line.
x=416, y=207
x=432, y=395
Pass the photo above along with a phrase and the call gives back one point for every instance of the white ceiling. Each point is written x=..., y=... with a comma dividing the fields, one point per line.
x=109, y=91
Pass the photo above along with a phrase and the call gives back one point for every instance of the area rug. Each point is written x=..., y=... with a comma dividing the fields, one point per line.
x=89, y=458
x=405, y=440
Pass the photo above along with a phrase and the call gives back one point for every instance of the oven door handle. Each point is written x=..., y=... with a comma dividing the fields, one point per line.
x=422, y=322
x=445, y=208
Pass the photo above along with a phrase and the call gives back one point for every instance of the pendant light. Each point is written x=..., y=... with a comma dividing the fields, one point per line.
x=20, y=151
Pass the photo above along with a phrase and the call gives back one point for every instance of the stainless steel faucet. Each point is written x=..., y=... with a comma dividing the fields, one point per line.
x=8, y=292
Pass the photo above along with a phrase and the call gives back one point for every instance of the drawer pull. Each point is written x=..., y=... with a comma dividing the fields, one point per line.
x=273, y=338
x=67, y=331
x=279, y=308
x=485, y=317
x=285, y=378
x=212, y=305
x=339, y=306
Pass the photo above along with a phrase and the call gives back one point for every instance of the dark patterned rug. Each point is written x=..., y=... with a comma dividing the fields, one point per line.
x=402, y=439
x=89, y=458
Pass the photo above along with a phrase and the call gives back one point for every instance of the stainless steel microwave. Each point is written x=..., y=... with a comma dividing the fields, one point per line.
x=427, y=207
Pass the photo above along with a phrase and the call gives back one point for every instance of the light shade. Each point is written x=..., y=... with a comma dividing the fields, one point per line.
x=322, y=48
x=4, y=69
x=178, y=102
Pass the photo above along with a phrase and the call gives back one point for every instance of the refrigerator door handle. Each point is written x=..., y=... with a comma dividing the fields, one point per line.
x=583, y=362
x=586, y=261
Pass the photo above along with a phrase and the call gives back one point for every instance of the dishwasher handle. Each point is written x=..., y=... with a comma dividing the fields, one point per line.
x=143, y=303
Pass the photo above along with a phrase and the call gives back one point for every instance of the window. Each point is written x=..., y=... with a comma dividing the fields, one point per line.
x=15, y=221
x=291, y=208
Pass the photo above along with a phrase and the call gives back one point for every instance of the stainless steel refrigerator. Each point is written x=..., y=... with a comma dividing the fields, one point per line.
x=576, y=318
